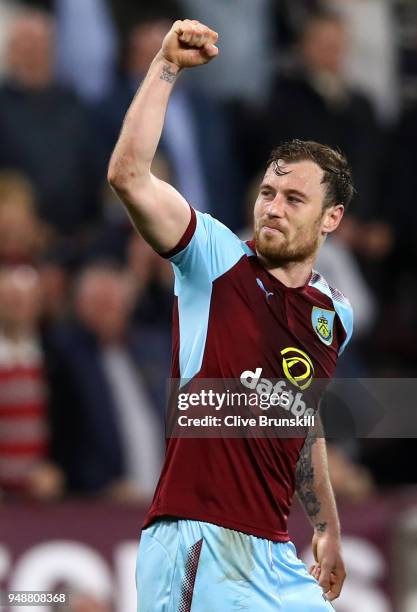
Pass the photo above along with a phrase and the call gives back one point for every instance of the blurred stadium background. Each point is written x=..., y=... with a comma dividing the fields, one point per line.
x=85, y=304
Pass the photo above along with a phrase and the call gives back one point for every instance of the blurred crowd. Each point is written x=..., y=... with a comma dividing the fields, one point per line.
x=85, y=304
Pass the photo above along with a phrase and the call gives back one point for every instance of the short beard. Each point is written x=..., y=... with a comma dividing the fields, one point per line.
x=283, y=254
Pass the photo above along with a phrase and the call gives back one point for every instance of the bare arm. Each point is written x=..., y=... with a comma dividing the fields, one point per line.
x=316, y=496
x=157, y=210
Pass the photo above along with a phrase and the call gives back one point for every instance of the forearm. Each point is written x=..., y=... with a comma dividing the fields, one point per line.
x=139, y=138
x=314, y=488
x=316, y=495
x=156, y=208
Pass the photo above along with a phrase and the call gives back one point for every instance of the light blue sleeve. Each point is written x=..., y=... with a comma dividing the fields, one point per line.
x=212, y=251
x=345, y=312
x=340, y=303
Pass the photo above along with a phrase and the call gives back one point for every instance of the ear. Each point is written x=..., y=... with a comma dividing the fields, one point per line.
x=332, y=218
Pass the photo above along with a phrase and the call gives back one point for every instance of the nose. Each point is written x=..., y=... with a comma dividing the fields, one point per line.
x=276, y=207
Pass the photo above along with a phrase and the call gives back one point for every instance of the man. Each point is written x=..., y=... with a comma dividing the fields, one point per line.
x=107, y=391
x=44, y=129
x=27, y=469
x=216, y=537
x=314, y=100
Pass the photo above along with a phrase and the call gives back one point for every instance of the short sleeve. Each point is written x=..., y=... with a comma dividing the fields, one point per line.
x=207, y=250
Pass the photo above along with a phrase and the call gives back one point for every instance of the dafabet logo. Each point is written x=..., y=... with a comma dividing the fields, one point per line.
x=298, y=369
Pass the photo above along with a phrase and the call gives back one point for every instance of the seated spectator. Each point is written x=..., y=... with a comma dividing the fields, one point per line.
x=44, y=130
x=25, y=468
x=108, y=391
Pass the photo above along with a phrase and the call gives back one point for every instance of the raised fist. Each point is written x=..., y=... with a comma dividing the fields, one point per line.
x=189, y=43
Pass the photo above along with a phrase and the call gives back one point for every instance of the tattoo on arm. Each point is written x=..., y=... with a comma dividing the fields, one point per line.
x=320, y=527
x=304, y=481
x=167, y=74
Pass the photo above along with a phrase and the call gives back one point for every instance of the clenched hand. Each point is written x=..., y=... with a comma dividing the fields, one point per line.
x=329, y=568
x=189, y=43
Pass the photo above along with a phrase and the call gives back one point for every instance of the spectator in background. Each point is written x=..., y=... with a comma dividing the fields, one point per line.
x=197, y=142
x=22, y=235
x=399, y=321
x=86, y=47
x=26, y=239
x=153, y=278
x=115, y=240
x=395, y=346
x=244, y=67
x=43, y=127
x=240, y=80
x=401, y=171
x=372, y=62
x=108, y=391
x=25, y=467
x=315, y=102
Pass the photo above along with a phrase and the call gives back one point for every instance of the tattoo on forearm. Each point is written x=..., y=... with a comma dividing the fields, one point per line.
x=168, y=75
x=304, y=479
x=320, y=527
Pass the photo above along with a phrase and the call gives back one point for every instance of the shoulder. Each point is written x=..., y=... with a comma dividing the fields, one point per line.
x=319, y=282
x=207, y=245
x=341, y=305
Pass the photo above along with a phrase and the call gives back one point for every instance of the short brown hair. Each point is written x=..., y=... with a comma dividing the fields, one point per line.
x=337, y=175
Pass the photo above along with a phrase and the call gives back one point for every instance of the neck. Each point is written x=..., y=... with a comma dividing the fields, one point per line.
x=291, y=274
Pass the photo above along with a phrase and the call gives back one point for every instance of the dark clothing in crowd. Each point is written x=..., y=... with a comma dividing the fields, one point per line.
x=126, y=12
x=45, y=134
x=401, y=175
x=88, y=441
x=397, y=345
x=298, y=109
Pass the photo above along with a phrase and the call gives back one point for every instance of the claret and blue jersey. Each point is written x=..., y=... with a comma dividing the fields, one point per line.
x=231, y=315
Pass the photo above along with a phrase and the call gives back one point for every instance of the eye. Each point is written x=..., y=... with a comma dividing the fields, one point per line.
x=294, y=200
x=266, y=192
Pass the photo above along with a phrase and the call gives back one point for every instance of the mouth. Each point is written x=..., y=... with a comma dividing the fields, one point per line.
x=268, y=229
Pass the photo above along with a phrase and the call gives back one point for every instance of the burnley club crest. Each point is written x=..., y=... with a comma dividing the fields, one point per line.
x=322, y=321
